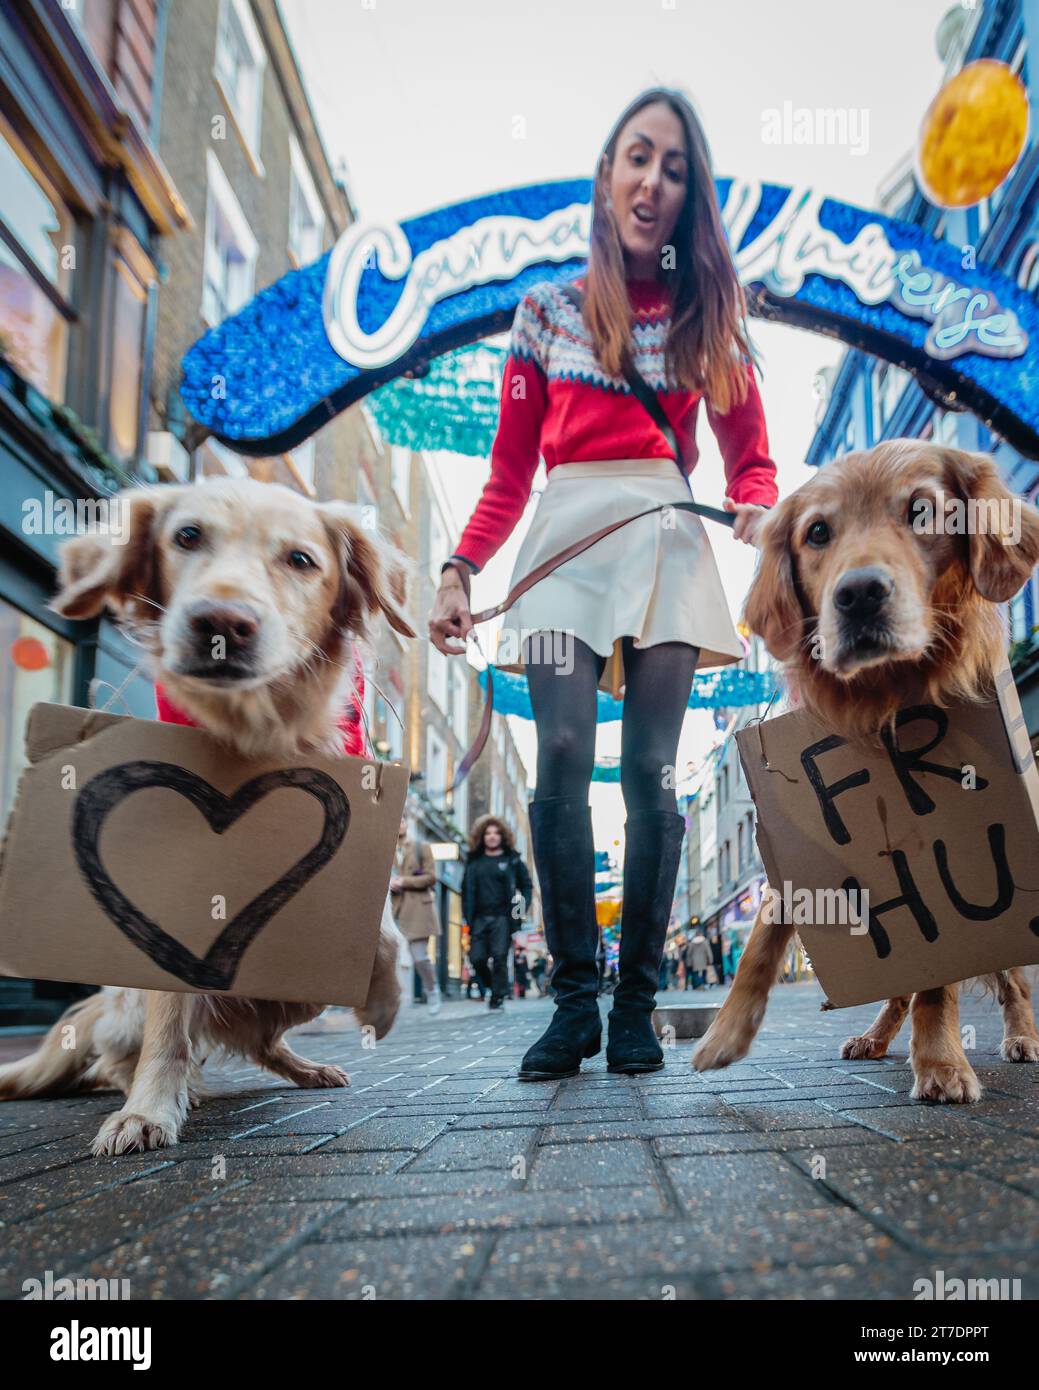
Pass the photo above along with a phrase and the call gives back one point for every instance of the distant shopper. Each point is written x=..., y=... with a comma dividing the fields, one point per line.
x=496, y=891
x=696, y=959
x=520, y=971
x=537, y=974
x=717, y=953
x=414, y=906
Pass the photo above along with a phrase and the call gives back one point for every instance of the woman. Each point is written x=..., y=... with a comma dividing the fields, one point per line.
x=642, y=609
x=414, y=906
x=496, y=891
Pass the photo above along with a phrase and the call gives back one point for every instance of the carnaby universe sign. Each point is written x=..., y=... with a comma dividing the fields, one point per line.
x=388, y=298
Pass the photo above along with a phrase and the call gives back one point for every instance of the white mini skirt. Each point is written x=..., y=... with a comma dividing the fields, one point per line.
x=654, y=580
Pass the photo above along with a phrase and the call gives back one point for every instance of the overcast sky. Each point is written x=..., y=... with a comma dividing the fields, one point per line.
x=420, y=99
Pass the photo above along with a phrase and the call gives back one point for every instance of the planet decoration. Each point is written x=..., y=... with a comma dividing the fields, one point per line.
x=972, y=134
x=29, y=654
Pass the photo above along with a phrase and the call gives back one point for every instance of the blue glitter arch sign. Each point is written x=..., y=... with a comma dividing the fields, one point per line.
x=385, y=300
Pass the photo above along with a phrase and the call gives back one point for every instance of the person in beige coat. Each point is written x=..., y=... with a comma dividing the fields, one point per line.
x=414, y=906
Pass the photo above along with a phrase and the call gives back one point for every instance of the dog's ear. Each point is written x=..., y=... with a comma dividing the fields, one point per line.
x=773, y=608
x=1003, y=529
x=115, y=565
x=372, y=574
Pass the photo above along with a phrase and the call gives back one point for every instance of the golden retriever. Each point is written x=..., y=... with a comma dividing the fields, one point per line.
x=245, y=599
x=869, y=610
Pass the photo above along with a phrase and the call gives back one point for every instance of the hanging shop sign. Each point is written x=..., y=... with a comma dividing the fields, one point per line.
x=388, y=298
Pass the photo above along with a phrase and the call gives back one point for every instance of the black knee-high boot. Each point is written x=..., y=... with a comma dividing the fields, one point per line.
x=564, y=854
x=652, y=850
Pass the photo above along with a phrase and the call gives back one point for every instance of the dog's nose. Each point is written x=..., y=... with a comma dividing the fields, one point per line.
x=236, y=623
x=862, y=593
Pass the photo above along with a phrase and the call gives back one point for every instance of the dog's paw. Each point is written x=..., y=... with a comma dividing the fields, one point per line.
x=1019, y=1049
x=858, y=1049
x=123, y=1133
x=317, y=1076
x=720, y=1046
x=941, y=1083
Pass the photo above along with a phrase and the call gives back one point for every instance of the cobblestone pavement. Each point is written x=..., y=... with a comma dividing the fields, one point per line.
x=438, y=1175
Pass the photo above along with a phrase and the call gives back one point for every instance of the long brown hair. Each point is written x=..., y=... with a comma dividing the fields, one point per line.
x=708, y=341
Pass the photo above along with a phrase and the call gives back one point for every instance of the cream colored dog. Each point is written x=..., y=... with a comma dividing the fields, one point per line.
x=245, y=598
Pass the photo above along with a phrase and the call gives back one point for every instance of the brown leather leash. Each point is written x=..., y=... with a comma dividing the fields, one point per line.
x=535, y=576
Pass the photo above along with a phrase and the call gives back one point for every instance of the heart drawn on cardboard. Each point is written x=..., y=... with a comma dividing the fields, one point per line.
x=217, y=968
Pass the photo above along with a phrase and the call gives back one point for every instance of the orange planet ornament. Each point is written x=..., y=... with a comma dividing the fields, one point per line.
x=972, y=134
x=29, y=654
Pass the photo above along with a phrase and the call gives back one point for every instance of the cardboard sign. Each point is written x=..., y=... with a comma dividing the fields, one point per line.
x=906, y=863
x=142, y=853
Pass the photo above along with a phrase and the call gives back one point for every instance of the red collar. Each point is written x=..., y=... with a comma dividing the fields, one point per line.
x=350, y=723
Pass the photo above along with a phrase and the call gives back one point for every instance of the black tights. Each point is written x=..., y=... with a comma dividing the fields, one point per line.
x=656, y=693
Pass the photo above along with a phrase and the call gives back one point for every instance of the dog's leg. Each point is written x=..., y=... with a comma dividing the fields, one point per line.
x=941, y=1071
x=1020, y=1036
x=279, y=1058
x=732, y=1032
x=881, y=1032
x=158, y=1099
x=380, y=1008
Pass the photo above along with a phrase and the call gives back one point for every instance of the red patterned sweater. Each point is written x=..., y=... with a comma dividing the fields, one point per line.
x=557, y=401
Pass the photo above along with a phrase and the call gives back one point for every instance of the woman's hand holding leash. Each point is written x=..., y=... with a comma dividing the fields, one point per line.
x=748, y=518
x=450, y=620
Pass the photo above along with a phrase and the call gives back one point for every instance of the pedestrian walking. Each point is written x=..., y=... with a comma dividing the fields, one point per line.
x=537, y=974
x=714, y=940
x=414, y=908
x=604, y=381
x=520, y=972
x=697, y=956
x=496, y=890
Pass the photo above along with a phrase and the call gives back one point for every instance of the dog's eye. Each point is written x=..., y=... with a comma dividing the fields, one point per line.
x=300, y=560
x=188, y=537
x=818, y=533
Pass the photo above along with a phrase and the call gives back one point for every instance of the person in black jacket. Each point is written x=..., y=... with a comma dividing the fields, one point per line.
x=496, y=892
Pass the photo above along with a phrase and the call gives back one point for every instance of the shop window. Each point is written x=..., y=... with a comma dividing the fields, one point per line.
x=130, y=303
x=37, y=258
x=35, y=665
x=229, y=259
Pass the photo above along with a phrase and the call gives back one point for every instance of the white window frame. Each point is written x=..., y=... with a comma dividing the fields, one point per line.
x=300, y=176
x=436, y=763
x=248, y=124
x=303, y=461
x=234, y=465
x=400, y=477
x=436, y=677
x=439, y=544
x=221, y=196
x=459, y=698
